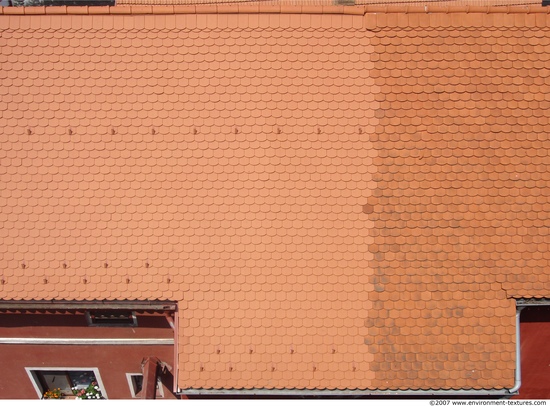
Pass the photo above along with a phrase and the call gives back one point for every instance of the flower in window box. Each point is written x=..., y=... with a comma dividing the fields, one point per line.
x=53, y=394
x=91, y=392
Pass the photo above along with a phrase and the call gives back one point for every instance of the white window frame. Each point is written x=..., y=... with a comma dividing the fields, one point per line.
x=37, y=386
x=129, y=375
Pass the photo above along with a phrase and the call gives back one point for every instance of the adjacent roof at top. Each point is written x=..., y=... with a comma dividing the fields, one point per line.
x=317, y=3
x=345, y=200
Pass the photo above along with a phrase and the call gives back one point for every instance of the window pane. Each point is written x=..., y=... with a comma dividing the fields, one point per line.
x=81, y=379
x=137, y=380
x=57, y=379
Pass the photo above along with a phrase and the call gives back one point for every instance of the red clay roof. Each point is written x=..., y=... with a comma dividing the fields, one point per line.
x=335, y=200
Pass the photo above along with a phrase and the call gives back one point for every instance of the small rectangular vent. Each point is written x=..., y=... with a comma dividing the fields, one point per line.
x=111, y=318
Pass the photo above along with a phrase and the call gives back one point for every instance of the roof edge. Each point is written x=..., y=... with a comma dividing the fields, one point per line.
x=533, y=302
x=259, y=8
x=410, y=393
x=87, y=305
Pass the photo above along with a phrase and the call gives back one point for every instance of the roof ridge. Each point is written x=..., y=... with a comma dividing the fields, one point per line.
x=266, y=9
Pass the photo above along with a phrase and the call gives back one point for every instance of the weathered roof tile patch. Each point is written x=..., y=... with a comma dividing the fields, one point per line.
x=461, y=204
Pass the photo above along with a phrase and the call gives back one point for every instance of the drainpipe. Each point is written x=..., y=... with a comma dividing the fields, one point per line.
x=514, y=390
x=175, y=387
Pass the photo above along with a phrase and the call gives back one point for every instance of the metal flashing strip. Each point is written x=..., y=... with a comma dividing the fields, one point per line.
x=86, y=305
x=340, y=393
x=532, y=302
x=85, y=341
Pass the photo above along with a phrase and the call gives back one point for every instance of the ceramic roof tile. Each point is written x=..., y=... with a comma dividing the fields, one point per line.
x=335, y=210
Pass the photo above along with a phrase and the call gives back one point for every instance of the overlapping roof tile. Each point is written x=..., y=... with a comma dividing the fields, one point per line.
x=344, y=201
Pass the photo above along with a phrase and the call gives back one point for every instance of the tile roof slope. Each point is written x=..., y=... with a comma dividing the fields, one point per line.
x=326, y=212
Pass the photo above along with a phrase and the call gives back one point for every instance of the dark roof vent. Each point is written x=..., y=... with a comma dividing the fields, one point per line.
x=111, y=318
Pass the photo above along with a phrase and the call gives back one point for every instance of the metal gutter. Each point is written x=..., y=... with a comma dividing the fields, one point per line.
x=85, y=341
x=87, y=305
x=339, y=393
